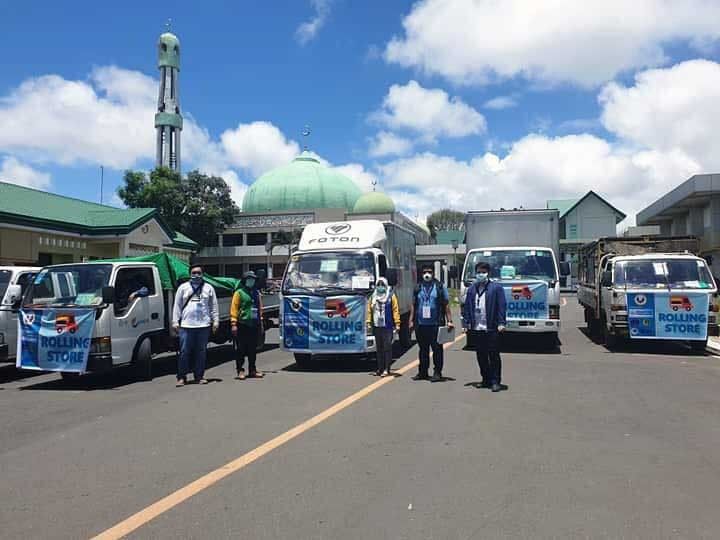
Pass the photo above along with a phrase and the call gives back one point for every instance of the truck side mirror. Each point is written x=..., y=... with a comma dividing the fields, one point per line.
x=564, y=269
x=391, y=274
x=13, y=294
x=606, y=280
x=108, y=295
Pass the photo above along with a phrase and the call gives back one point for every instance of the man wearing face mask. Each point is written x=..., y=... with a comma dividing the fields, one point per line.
x=430, y=310
x=245, y=317
x=194, y=313
x=484, y=315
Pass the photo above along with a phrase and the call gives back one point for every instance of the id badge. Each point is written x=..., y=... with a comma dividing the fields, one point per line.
x=426, y=311
x=254, y=314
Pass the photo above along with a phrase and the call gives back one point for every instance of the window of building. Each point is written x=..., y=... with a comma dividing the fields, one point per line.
x=234, y=270
x=572, y=232
x=232, y=240
x=707, y=217
x=212, y=269
x=256, y=239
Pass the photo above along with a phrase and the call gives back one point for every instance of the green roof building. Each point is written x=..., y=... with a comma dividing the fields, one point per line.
x=302, y=184
x=374, y=202
x=37, y=227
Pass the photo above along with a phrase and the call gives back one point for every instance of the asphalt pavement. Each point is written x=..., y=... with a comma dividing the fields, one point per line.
x=585, y=443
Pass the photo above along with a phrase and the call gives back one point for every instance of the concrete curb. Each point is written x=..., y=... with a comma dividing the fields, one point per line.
x=713, y=346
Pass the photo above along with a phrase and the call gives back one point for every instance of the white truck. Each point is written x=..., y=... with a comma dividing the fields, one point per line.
x=125, y=332
x=521, y=247
x=14, y=281
x=338, y=262
x=647, y=288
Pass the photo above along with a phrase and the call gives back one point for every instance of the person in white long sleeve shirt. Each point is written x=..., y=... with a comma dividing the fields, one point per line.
x=195, y=312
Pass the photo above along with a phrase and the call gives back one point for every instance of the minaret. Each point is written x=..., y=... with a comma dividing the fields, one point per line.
x=168, y=120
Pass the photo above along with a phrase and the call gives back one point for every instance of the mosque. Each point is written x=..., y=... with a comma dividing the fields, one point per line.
x=281, y=202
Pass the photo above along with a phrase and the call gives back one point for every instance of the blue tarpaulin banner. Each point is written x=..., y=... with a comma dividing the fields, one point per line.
x=320, y=325
x=526, y=300
x=668, y=315
x=55, y=339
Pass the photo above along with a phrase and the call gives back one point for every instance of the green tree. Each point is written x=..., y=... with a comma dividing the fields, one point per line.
x=199, y=206
x=445, y=220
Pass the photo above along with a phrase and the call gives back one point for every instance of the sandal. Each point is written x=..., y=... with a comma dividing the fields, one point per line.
x=179, y=383
x=240, y=375
x=256, y=375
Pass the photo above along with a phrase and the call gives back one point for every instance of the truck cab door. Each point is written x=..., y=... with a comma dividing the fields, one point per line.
x=9, y=318
x=137, y=311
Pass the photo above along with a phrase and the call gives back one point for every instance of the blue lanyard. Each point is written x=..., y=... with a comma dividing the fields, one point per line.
x=426, y=297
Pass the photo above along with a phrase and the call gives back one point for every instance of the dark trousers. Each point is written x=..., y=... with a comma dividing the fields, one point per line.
x=427, y=339
x=193, y=350
x=246, y=346
x=487, y=350
x=383, y=344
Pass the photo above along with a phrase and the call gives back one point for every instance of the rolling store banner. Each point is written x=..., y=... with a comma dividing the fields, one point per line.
x=55, y=339
x=526, y=301
x=668, y=315
x=320, y=325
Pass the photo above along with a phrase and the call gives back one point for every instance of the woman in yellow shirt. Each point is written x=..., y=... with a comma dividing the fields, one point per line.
x=383, y=316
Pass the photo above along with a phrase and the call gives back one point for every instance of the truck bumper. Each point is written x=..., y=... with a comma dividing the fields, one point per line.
x=100, y=362
x=537, y=326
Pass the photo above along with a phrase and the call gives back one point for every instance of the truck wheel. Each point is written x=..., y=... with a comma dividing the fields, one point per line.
x=610, y=339
x=405, y=334
x=142, y=361
x=303, y=361
x=698, y=346
x=261, y=340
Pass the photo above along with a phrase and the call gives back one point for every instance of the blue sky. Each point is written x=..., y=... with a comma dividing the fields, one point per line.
x=582, y=94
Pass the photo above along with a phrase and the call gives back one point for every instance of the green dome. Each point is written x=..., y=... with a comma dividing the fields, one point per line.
x=168, y=50
x=374, y=202
x=302, y=184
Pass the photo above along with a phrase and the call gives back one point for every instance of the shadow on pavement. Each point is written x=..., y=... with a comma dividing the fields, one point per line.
x=650, y=347
x=336, y=364
x=9, y=373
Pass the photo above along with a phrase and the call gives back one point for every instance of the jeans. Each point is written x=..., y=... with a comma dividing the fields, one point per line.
x=246, y=346
x=427, y=339
x=193, y=349
x=383, y=342
x=487, y=351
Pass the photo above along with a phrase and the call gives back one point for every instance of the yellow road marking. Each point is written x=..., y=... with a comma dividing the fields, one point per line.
x=149, y=513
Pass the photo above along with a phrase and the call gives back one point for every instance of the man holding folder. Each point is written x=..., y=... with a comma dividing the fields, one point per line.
x=484, y=316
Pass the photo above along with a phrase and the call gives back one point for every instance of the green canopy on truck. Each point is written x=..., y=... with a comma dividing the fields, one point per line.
x=173, y=271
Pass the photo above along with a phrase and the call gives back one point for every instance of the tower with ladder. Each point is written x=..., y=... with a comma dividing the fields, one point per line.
x=168, y=120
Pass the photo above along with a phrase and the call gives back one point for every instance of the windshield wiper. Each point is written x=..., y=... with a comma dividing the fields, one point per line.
x=298, y=288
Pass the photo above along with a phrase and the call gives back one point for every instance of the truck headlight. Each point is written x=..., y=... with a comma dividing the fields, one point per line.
x=100, y=345
x=555, y=312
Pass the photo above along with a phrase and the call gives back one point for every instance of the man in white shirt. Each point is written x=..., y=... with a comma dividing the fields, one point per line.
x=194, y=313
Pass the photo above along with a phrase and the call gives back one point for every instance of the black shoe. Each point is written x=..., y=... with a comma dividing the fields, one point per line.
x=485, y=384
x=420, y=377
x=437, y=377
x=496, y=387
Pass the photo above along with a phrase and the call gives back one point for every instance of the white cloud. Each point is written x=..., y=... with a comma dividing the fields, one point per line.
x=356, y=172
x=15, y=172
x=428, y=112
x=586, y=43
x=674, y=109
x=389, y=144
x=106, y=120
x=500, y=102
x=307, y=31
x=257, y=147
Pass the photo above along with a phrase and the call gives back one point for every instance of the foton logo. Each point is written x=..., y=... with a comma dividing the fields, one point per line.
x=337, y=229
x=680, y=302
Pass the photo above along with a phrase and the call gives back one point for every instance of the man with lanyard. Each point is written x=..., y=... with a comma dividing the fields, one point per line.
x=245, y=317
x=194, y=312
x=484, y=315
x=430, y=309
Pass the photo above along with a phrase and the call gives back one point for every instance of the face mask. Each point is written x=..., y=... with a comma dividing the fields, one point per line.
x=481, y=277
x=427, y=276
x=381, y=290
x=196, y=278
x=249, y=283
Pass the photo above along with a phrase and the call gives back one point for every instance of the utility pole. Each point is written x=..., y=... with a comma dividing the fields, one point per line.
x=102, y=181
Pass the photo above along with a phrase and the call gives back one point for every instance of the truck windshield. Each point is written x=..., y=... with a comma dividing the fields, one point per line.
x=68, y=286
x=514, y=264
x=663, y=273
x=4, y=282
x=314, y=272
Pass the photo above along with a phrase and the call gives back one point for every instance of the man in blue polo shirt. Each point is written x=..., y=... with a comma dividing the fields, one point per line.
x=429, y=311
